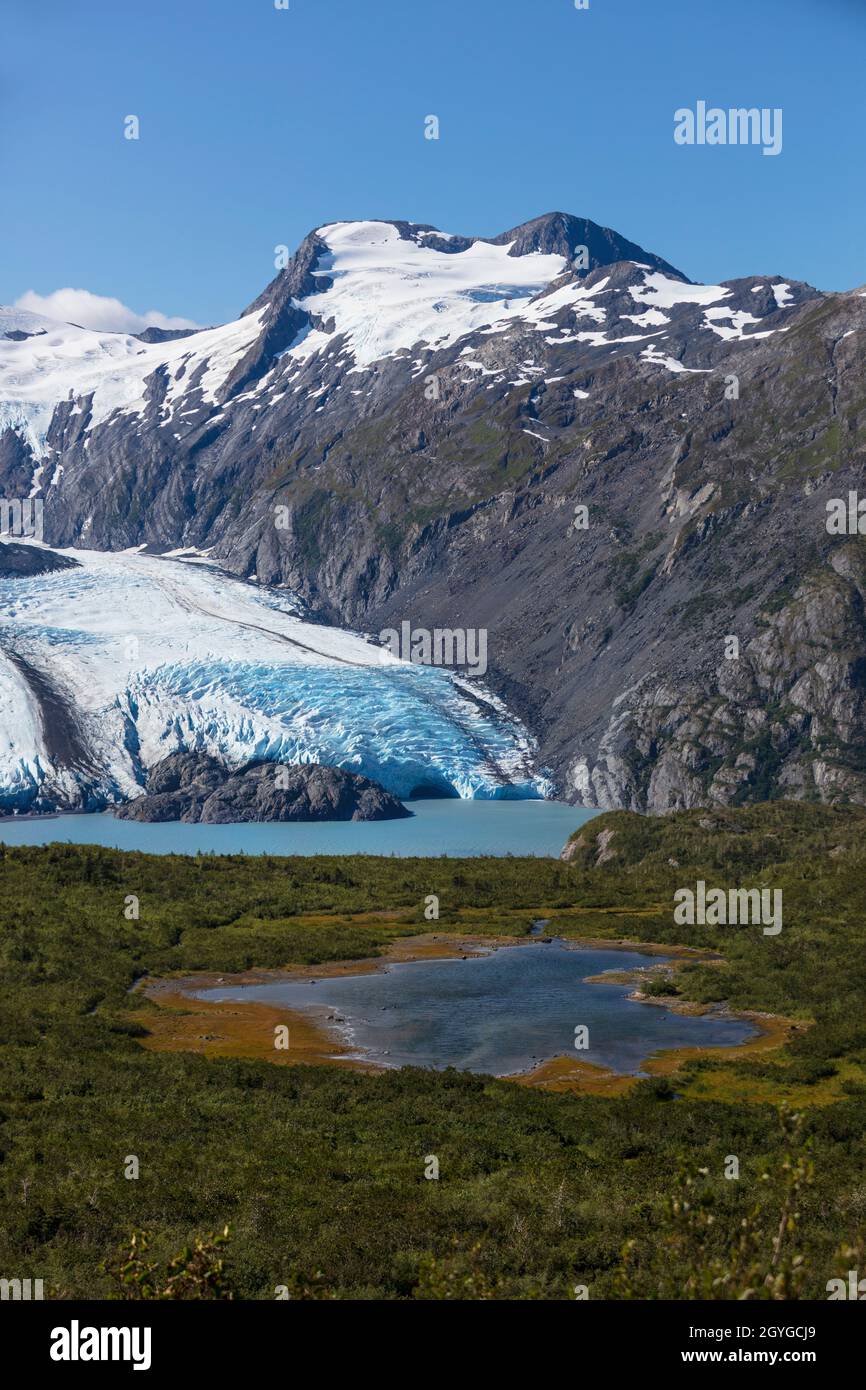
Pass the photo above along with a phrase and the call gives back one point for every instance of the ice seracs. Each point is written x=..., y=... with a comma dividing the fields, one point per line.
x=134, y=657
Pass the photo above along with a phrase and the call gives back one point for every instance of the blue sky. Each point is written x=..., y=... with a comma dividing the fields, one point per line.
x=258, y=124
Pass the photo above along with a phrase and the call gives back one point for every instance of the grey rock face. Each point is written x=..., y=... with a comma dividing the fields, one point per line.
x=194, y=787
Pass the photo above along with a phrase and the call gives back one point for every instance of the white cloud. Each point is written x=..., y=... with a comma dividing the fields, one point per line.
x=97, y=311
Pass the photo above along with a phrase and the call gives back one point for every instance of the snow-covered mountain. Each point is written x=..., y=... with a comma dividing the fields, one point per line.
x=358, y=297
x=401, y=426
x=44, y=363
x=108, y=666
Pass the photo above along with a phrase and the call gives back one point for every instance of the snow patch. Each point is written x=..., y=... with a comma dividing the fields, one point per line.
x=661, y=292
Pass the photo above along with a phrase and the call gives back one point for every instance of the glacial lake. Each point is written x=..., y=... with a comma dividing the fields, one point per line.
x=455, y=828
x=502, y=1012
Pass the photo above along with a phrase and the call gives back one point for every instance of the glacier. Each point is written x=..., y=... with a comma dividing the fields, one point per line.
x=108, y=667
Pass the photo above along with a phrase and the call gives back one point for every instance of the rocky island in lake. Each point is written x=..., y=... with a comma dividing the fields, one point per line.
x=195, y=787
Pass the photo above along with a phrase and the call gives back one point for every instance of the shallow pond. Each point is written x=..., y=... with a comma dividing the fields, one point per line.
x=501, y=1012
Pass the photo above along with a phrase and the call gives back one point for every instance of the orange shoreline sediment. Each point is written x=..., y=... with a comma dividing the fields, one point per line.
x=587, y=1078
x=232, y=1028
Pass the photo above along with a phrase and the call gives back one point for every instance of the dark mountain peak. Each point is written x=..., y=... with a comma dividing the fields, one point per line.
x=293, y=281
x=553, y=233
x=561, y=234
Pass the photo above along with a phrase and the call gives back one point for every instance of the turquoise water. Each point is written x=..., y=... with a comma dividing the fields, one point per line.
x=502, y=1012
x=451, y=827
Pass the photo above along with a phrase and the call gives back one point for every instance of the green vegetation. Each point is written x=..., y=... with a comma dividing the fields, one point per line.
x=318, y=1172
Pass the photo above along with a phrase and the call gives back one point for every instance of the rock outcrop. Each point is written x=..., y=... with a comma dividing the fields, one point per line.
x=24, y=561
x=194, y=787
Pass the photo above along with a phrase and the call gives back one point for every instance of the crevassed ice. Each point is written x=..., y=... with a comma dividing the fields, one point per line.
x=404, y=726
x=153, y=655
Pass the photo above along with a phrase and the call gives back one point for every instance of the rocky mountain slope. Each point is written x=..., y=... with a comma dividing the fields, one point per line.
x=408, y=426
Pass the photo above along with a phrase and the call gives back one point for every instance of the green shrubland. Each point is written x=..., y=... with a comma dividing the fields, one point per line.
x=318, y=1173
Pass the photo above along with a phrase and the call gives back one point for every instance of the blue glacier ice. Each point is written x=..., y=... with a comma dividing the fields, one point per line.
x=405, y=726
x=109, y=667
